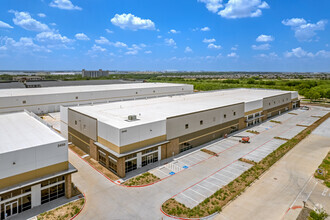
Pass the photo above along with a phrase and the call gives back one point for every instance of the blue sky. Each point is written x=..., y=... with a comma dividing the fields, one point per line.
x=213, y=35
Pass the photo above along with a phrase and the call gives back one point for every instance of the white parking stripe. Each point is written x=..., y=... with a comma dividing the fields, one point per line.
x=235, y=168
x=189, y=197
x=167, y=174
x=203, y=156
x=324, y=193
x=211, y=183
x=229, y=172
x=198, y=193
x=204, y=188
x=191, y=162
x=218, y=179
x=228, y=177
x=198, y=159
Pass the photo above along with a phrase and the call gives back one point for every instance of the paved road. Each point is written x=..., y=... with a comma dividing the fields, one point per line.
x=287, y=184
x=106, y=200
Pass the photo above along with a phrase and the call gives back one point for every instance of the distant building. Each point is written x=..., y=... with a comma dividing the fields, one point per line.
x=94, y=73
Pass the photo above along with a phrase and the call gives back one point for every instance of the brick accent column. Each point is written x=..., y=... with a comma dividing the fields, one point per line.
x=121, y=167
x=241, y=123
x=164, y=146
x=173, y=146
x=68, y=186
x=93, y=150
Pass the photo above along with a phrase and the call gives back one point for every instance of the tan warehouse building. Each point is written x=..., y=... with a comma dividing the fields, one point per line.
x=34, y=167
x=125, y=136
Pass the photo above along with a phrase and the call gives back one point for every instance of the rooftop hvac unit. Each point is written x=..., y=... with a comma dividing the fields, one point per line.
x=132, y=117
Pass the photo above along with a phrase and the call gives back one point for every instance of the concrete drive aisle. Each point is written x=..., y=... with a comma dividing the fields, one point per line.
x=286, y=184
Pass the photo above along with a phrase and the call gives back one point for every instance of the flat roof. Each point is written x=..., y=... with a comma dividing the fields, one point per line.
x=84, y=88
x=158, y=109
x=21, y=131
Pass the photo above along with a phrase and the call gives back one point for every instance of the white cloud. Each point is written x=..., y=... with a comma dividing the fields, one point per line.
x=4, y=25
x=81, y=36
x=132, y=52
x=214, y=46
x=234, y=47
x=172, y=31
x=96, y=50
x=301, y=53
x=102, y=40
x=212, y=5
x=132, y=22
x=188, y=50
x=243, y=8
x=51, y=37
x=148, y=52
x=205, y=29
x=41, y=15
x=261, y=47
x=323, y=53
x=270, y=55
x=212, y=40
x=170, y=42
x=24, y=20
x=118, y=44
x=265, y=38
x=233, y=55
x=159, y=36
x=294, y=22
x=24, y=44
x=304, y=31
x=52, y=24
x=105, y=41
x=109, y=31
x=298, y=52
x=64, y=4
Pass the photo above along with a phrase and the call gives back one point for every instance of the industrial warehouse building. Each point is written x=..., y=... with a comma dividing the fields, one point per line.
x=124, y=136
x=47, y=100
x=34, y=167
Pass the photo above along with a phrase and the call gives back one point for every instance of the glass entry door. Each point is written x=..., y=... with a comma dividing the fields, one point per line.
x=150, y=159
x=11, y=209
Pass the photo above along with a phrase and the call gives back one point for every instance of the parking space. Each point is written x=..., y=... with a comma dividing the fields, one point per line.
x=208, y=186
x=260, y=153
x=179, y=164
x=308, y=121
x=284, y=117
x=222, y=145
x=292, y=132
x=264, y=126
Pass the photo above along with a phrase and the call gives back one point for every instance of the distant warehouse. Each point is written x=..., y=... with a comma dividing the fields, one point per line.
x=94, y=74
x=34, y=167
x=124, y=136
x=46, y=100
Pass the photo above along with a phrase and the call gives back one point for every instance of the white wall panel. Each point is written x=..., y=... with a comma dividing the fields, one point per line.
x=32, y=158
x=142, y=132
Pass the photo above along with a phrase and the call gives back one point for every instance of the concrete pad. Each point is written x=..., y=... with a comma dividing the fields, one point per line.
x=309, y=121
x=323, y=129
